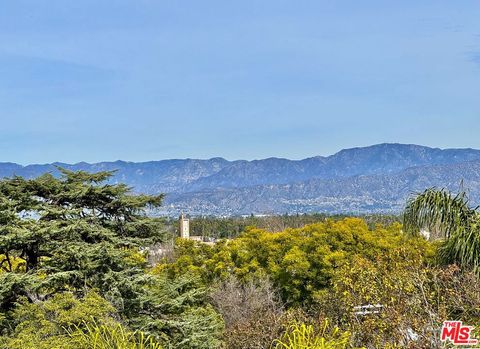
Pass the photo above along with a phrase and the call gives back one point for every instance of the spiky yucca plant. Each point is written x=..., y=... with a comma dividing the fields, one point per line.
x=302, y=336
x=94, y=336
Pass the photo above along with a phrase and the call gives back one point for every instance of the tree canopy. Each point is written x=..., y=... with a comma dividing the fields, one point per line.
x=71, y=233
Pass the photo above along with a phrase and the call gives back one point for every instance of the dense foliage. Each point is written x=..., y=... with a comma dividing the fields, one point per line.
x=326, y=271
x=75, y=273
x=63, y=238
x=300, y=262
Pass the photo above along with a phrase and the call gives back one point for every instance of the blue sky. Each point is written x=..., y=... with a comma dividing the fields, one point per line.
x=143, y=80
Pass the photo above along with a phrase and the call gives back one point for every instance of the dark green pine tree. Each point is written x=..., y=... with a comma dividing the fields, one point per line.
x=75, y=233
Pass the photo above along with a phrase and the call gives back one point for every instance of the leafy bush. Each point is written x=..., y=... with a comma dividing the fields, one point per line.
x=299, y=262
x=46, y=324
x=415, y=297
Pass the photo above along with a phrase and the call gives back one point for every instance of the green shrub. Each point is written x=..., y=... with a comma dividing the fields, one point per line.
x=302, y=336
x=112, y=336
x=45, y=324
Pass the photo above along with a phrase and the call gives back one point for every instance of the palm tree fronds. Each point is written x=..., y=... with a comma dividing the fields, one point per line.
x=437, y=211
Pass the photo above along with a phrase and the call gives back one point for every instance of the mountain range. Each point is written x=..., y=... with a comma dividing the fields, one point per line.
x=377, y=178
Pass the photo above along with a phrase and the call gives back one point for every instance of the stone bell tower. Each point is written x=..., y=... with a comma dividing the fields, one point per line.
x=184, y=223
